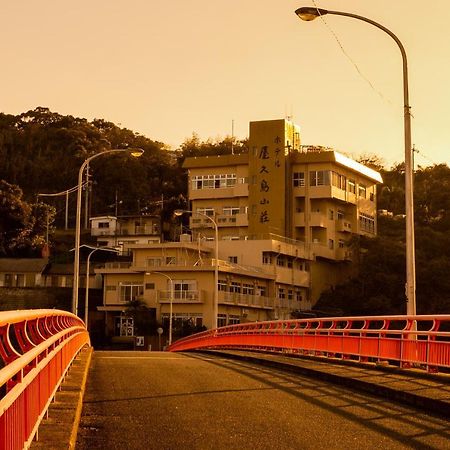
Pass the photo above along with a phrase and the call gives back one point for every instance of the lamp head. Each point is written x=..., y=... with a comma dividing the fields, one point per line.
x=308, y=14
x=179, y=212
x=135, y=152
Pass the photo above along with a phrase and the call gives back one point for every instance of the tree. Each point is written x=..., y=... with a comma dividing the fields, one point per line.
x=22, y=225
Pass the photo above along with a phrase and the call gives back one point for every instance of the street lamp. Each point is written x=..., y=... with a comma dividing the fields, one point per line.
x=86, y=295
x=308, y=14
x=180, y=212
x=170, y=300
x=134, y=152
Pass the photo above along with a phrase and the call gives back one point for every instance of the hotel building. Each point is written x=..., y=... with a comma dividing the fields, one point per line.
x=286, y=216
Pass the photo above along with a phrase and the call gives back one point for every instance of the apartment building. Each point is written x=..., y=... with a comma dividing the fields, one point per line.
x=120, y=232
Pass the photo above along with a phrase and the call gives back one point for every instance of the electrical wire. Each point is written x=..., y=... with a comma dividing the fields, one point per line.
x=355, y=65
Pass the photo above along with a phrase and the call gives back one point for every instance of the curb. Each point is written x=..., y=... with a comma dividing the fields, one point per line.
x=79, y=408
x=428, y=404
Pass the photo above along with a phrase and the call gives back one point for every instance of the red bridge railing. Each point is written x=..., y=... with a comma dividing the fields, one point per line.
x=37, y=348
x=418, y=341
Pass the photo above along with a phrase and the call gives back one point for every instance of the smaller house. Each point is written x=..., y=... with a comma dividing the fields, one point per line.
x=22, y=272
x=122, y=231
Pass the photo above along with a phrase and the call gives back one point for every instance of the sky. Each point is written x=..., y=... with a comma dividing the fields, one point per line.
x=169, y=68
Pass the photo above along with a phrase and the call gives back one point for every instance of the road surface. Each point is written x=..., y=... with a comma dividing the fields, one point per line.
x=156, y=400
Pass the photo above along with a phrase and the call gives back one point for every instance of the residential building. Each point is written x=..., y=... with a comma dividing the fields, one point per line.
x=22, y=272
x=122, y=231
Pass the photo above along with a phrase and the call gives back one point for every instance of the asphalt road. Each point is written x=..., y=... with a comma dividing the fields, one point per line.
x=173, y=401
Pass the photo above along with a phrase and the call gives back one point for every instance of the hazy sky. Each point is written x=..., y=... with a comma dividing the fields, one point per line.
x=168, y=68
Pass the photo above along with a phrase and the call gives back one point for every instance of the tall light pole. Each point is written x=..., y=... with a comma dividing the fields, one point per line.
x=180, y=212
x=308, y=14
x=135, y=152
x=86, y=295
x=170, y=300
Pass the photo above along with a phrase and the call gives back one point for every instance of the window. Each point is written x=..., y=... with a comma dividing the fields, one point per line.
x=262, y=291
x=213, y=181
x=290, y=294
x=298, y=179
x=372, y=196
x=129, y=291
x=267, y=258
x=14, y=280
x=185, y=289
x=233, y=319
x=103, y=224
x=341, y=243
x=231, y=210
x=298, y=296
x=281, y=261
x=331, y=214
x=352, y=186
x=222, y=285
x=281, y=293
x=207, y=211
x=154, y=262
x=149, y=286
x=330, y=244
x=319, y=178
x=171, y=260
x=235, y=287
x=340, y=214
x=248, y=289
x=221, y=320
x=367, y=223
x=233, y=259
x=362, y=191
x=338, y=180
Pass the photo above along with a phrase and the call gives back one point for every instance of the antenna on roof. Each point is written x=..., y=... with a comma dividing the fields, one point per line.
x=232, y=136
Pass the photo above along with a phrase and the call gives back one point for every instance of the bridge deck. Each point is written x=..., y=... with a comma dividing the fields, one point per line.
x=163, y=400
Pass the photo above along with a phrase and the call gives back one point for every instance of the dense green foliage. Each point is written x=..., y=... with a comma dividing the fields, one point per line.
x=42, y=151
x=23, y=225
x=380, y=286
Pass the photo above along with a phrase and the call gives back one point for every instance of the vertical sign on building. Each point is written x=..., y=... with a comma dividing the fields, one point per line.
x=267, y=174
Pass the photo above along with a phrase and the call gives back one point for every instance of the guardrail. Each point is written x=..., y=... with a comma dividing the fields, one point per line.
x=407, y=341
x=37, y=348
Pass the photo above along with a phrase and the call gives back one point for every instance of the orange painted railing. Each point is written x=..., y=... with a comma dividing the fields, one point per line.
x=406, y=341
x=37, y=348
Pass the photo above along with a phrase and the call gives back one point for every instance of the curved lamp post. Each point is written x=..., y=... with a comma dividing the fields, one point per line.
x=180, y=212
x=88, y=260
x=170, y=299
x=308, y=14
x=134, y=152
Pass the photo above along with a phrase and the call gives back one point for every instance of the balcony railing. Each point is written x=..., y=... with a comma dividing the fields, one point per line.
x=181, y=296
x=236, y=298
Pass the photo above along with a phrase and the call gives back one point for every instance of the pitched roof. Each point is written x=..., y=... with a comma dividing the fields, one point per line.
x=23, y=265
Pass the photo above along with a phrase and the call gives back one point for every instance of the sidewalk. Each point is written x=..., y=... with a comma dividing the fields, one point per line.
x=428, y=392
x=59, y=430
